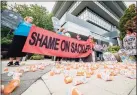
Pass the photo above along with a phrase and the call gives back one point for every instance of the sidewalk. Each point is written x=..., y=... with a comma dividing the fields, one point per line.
x=54, y=85
x=28, y=78
x=28, y=62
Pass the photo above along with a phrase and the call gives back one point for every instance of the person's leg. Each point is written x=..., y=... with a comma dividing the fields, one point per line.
x=93, y=56
x=60, y=59
x=56, y=59
x=77, y=59
x=11, y=59
x=10, y=62
x=17, y=61
x=67, y=59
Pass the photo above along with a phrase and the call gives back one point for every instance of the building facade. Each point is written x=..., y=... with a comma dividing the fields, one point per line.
x=96, y=18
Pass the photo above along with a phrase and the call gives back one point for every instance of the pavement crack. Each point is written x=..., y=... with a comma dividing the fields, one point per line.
x=47, y=86
x=131, y=90
x=39, y=78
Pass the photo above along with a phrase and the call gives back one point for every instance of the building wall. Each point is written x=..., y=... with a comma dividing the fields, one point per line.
x=88, y=15
x=76, y=25
x=99, y=23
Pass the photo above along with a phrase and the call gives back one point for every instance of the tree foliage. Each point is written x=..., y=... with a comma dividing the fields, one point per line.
x=113, y=49
x=42, y=18
x=37, y=57
x=131, y=23
x=3, y=5
x=126, y=20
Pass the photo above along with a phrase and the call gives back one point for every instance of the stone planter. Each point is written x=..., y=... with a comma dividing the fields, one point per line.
x=117, y=57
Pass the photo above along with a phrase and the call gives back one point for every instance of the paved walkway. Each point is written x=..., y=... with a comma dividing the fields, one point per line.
x=54, y=85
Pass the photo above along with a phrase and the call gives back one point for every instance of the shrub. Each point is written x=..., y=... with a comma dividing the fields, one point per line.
x=113, y=49
x=37, y=57
x=5, y=41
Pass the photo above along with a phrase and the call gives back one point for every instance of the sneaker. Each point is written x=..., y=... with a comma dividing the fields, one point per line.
x=10, y=63
x=16, y=63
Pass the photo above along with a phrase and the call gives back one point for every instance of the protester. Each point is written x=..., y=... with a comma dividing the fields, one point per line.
x=60, y=32
x=78, y=38
x=93, y=50
x=65, y=33
x=20, y=36
x=91, y=56
x=130, y=32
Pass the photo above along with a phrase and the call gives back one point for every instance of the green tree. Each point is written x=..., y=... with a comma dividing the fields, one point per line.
x=5, y=39
x=42, y=18
x=3, y=5
x=124, y=20
x=4, y=30
x=131, y=24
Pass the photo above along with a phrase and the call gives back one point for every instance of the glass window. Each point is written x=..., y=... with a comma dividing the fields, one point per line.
x=87, y=14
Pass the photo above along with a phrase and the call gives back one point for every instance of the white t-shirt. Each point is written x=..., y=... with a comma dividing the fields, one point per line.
x=67, y=34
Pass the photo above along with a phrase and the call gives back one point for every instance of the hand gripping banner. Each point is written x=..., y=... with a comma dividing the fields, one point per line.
x=45, y=42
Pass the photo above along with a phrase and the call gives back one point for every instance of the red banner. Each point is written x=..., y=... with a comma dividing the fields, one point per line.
x=41, y=41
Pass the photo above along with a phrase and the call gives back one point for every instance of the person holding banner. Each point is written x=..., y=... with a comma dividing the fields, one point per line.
x=78, y=38
x=19, y=39
x=60, y=32
x=90, y=57
x=65, y=33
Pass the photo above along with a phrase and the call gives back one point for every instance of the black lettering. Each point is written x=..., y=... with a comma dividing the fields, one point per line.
x=34, y=37
x=67, y=45
x=81, y=51
x=56, y=43
x=84, y=48
x=39, y=39
x=51, y=43
x=63, y=45
x=87, y=48
x=72, y=47
x=76, y=48
x=44, y=42
x=79, y=48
